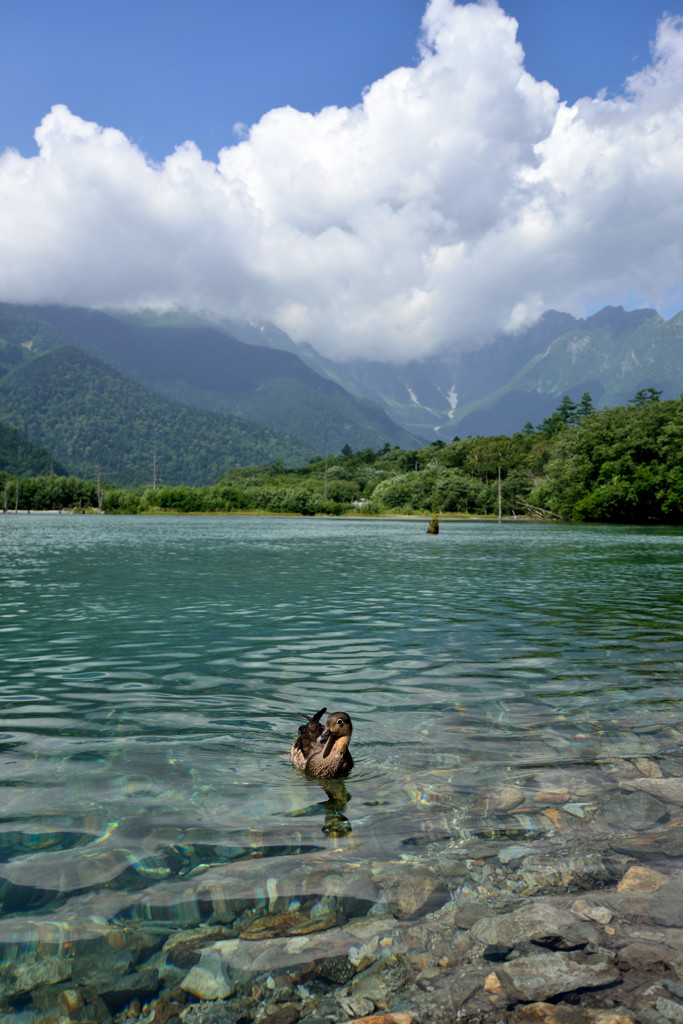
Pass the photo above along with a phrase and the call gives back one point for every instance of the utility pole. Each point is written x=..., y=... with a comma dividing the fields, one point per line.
x=154, y=464
x=500, y=498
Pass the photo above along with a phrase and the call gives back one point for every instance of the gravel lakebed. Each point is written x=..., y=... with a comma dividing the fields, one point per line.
x=578, y=919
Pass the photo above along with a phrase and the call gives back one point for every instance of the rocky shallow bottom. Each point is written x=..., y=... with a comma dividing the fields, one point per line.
x=578, y=921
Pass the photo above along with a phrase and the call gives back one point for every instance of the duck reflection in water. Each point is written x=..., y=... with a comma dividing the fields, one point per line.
x=336, y=822
x=323, y=752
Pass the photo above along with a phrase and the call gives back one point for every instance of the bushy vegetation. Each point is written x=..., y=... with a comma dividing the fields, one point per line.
x=613, y=465
x=620, y=465
x=47, y=492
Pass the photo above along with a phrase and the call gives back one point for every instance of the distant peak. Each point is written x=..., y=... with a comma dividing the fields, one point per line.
x=619, y=319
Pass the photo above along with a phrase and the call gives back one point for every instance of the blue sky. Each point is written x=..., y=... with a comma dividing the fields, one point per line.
x=163, y=71
x=446, y=191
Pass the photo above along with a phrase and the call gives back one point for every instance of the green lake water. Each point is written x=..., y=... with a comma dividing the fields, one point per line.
x=151, y=671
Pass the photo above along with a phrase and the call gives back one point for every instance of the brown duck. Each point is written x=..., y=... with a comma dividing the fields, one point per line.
x=324, y=751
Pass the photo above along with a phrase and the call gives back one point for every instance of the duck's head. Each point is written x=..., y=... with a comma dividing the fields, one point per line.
x=337, y=727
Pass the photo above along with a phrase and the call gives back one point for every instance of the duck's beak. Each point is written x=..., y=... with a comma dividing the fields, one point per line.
x=323, y=735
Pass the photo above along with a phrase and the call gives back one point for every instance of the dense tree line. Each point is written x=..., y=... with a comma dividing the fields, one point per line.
x=614, y=465
x=621, y=465
x=47, y=492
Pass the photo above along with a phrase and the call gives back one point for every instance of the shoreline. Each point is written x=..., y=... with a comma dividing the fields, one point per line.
x=343, y=517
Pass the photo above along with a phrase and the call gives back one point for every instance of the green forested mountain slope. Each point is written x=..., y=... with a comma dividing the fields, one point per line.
x=191, y=361
x=23, y=336
x=21, y=457
x=91, y=416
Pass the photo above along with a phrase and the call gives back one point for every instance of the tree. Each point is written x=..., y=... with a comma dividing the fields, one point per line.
x=567, y=410
x=644, y=397
x=585, y=406
x=618, y=465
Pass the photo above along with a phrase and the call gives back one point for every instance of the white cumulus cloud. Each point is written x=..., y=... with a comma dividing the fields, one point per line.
x=460, y=196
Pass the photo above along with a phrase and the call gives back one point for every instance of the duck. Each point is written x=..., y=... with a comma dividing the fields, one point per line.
x=323, y=751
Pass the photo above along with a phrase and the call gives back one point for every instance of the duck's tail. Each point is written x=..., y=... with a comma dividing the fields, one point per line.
x=316, y=717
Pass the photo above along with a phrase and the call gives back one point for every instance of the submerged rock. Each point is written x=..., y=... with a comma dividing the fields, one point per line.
x=292, y=923
x=537, y=978
x=281, y=1015
x=636, y=810
x=666, y=906
x=513, y=854
x=639, y=879
x=670, y=790
x=554, y=872
x=562, y=1013
x=411, y=890
x=139, y=985
x=32, y=971
x=542, y=923
x=209, y=978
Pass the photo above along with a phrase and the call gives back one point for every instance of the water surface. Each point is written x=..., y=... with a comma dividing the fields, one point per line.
x=152, y=669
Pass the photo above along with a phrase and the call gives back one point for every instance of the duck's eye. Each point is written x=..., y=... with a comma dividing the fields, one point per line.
x=340, y=721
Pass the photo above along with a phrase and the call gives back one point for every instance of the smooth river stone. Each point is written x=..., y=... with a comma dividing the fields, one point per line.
x=506, y=798
x=552, y=796
x=411, y=890
x=637, y=810
x=209, y=979
x=666, y=906
x=670, y=790
x=590, y=912
x=639, y=879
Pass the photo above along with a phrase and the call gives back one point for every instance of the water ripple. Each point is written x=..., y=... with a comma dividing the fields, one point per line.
x=152, y=671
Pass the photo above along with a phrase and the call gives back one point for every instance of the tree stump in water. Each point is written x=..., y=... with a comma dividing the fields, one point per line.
x=433, y=525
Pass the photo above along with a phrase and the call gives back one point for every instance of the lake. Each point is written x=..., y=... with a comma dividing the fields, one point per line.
x=153, y=669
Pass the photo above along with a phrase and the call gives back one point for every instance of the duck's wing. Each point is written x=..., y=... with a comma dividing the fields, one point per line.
x=307, y=739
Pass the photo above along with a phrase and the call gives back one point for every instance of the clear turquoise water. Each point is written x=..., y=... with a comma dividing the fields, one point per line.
x=152, y=669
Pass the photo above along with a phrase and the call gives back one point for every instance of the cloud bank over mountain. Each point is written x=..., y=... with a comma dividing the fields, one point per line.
x=460, y=196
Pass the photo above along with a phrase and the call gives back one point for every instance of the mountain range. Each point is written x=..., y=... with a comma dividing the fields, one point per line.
x=169, y=398
x=519, y=377
x=496, y=388
x=178, y=398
